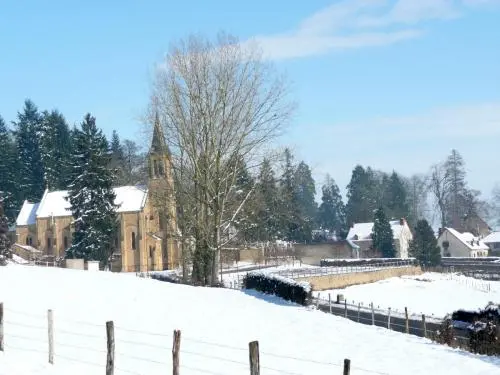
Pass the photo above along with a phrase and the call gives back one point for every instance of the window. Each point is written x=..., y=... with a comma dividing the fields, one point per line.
x=151, y=252
x=134, y=246
x=49, y=242
x=30, y=241
x=155, y=168
x=27, y=240
x=65, y=242
x=160, y=168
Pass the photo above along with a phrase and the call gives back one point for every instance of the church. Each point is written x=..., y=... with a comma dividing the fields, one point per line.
x=147, y=238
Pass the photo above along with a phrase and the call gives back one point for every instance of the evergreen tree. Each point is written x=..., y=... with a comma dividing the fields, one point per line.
x=382, y=236
x=362, y=196
x=424, y=246
x=8, y=173
x=331, y=214
x=31, y=172
x=118, y=159
x=289, y=207
x=55, y=150
x=91, y=195
x=4, y=239
x=243, y=193
x=268, y=204
x=395, y=197
x=305, y=191
x=457, y=188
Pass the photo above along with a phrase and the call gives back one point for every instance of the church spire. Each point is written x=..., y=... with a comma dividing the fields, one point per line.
x=158, y=144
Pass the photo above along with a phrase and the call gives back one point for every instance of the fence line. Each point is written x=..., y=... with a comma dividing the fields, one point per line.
x=333, y=270
x=114, y=347
x=416, y=324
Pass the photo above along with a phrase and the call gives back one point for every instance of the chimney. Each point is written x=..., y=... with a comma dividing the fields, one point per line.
x=402, y=221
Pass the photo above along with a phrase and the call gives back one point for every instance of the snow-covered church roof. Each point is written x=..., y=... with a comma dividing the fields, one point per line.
x=54, y=203
x=363, y=231
x=27, y=215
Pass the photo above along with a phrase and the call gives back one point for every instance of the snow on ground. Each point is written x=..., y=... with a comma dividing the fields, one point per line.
x=216, y=325
x=431, y=293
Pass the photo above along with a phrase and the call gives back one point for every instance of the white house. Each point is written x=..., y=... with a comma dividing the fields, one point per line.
x=360, y=234
x=493, y=242
x=456, y=244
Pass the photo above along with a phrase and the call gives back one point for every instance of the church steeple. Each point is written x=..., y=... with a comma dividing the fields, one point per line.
x=159, y=156
x=158, y=143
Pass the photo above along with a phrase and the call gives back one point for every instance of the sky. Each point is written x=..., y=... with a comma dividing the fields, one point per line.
x=393, y=84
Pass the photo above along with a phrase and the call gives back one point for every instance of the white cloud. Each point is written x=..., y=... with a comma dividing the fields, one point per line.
x=348, y=24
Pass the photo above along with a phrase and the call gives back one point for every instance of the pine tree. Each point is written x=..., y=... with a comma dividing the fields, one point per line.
x=457, y=188
x=8, y=172
x=363, y=195
x=395, y=197
x=290, y=219
x=424, y=246
x=382, y=235
x=331, y=214
x=305, y=191
x=4, y=239
x=31, y=172
x=91, y=195
x=118, y=159
x=246, y=221
x=267, y=204
x=55, y=149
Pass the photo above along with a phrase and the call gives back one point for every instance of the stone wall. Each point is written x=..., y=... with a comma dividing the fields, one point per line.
x=338, y=281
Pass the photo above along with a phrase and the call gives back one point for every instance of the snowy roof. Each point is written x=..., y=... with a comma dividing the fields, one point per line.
x=492, y=237
x=128, y=198
x=363, y=231
x=469, y=240
x=27, y=215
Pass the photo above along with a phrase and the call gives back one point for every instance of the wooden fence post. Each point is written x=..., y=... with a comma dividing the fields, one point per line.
x=50, y=318
x=407, y=323
x=176, y=348
x=373, y=315
x=424, y=324
x=389, y=319
x=110, y=337
x=359, y=310
x=330, y=301
x=254, y=358
x=347, y=366
x=1, y=327
x=345, y=308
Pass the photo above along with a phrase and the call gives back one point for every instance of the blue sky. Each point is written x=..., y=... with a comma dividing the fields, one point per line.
x=395, y=84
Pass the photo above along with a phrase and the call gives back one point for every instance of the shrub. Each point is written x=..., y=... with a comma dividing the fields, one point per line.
x=288, y=289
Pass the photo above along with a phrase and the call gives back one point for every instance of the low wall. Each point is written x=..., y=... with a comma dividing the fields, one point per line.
x=343, y=280
x=75, y=264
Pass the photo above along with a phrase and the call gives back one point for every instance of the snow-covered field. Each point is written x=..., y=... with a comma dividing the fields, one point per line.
x=216, y=325
x=431, y=293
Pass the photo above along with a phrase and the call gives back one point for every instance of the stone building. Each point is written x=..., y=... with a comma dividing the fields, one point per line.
x=147, y=234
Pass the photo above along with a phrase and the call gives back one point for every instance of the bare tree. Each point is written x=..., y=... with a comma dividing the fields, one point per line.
x=220, y=104
x=418, y=190
x=439, y=187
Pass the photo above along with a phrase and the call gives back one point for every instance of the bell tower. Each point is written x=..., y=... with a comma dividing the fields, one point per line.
x=162, y=196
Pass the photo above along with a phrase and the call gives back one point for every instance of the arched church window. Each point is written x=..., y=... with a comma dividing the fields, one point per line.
x=161, y=170
x=155, y=168
x=134, y=245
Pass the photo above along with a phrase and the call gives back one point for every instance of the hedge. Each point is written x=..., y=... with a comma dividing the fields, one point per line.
x=288, y=289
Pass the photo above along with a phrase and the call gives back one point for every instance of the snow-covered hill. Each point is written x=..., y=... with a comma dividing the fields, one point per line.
x=216, y=325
